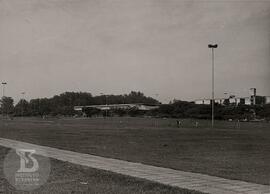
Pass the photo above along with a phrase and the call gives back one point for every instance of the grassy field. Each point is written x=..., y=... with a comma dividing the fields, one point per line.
x=227, y=151
x=70, y=178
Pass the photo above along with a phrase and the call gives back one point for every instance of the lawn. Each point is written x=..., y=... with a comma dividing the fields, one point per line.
x=227, y=151
x=70, y=178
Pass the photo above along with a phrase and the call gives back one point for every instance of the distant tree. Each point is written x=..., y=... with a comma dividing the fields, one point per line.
x=263, y=111
x=7, y=106
x=63, y=104
x=45, y=107
x=34, y=109
x=165, y=109
x=226, y=102
x=260, y=100
x=139, y=97
x=132, y=97
x=22, y=108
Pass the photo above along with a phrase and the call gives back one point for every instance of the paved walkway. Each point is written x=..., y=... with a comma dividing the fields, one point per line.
x=188, y=180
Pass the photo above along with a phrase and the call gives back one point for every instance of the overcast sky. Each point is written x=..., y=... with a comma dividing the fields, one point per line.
x=158, y=47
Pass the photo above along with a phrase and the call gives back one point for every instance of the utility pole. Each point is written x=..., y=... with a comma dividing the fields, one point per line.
x=212, y=47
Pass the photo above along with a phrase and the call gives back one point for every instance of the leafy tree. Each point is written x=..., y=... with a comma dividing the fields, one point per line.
x=22, y=108
x=7, y=106
x=260, y=100
x=34, y=107
x=226, y=102
x=44, y=107
x=63, y=104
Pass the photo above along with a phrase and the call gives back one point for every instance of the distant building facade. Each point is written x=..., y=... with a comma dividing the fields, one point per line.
x=236, y=100
x=267, y=99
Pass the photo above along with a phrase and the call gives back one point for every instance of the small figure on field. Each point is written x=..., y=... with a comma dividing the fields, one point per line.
x=178, y=123
x=238, y=123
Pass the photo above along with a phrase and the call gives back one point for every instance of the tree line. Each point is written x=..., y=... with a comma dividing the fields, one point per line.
x=64, y=103
x=183, y=109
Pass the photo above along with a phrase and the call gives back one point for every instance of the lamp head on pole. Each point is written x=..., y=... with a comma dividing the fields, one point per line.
x=212, y=45
x=4, y=83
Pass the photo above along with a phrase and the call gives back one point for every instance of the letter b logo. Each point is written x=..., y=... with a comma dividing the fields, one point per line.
x=25, y=161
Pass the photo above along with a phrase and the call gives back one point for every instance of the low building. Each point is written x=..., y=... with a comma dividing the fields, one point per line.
x=203, y=101
x=139, y=106
x=223, y=101
x=247, y=101
x=236, y=100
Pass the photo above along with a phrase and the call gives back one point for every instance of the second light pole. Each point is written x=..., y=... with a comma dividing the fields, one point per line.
x=212, y=47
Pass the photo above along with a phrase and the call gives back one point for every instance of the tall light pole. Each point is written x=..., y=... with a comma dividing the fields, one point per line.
x=3, y=84
x=212, y=47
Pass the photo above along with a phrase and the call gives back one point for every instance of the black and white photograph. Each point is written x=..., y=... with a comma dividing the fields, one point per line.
x=135, y=96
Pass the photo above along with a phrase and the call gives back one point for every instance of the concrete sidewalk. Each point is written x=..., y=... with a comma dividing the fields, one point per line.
x=177, y=178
